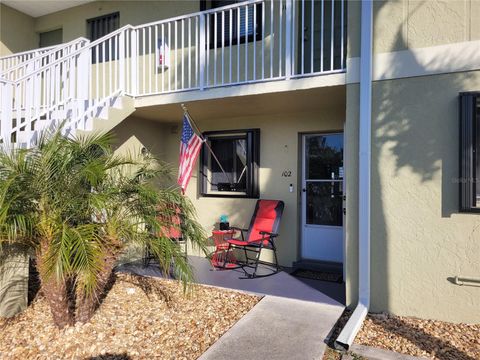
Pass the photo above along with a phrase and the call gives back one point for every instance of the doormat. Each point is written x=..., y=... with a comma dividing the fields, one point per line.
x=318, y=275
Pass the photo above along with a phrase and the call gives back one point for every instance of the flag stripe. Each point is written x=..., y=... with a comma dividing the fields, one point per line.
x=190, y=146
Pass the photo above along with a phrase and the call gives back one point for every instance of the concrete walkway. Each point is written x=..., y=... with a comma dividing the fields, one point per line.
x=292, y=321
x=278, y=328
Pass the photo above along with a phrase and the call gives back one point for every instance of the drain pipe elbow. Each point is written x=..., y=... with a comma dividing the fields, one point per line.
x=351, y=328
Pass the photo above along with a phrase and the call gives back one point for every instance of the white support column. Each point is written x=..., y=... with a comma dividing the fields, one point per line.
x=133, y=63
x=288, y=39
x=121, y=60
x=202, y=52
x=83, y=75
x=29, y=96
x=6, y=106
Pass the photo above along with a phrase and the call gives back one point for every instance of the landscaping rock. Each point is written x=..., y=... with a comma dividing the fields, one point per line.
x=156, y=320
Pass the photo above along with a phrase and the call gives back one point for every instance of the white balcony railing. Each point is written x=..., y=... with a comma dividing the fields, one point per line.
x=253, y=41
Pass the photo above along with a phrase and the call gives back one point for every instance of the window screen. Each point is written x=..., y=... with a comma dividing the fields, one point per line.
x=231, y=167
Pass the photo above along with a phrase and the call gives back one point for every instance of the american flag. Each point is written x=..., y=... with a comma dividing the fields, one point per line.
x=190, y=146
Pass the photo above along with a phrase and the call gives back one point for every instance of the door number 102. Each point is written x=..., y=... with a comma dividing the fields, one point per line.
x=287, y=173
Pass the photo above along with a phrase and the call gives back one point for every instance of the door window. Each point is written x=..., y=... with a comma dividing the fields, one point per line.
x=324, y=180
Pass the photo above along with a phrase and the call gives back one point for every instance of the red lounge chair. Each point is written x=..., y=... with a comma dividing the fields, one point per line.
x=260, y=235
x=173, y=232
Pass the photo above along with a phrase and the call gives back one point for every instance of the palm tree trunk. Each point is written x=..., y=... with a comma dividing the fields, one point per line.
x=87, y=304
x=58, y=294
x=58, y=297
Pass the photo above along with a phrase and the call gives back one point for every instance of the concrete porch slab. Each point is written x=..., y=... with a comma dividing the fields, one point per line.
x=281, y=284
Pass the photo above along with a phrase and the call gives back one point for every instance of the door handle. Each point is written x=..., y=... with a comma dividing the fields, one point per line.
x=304, y=190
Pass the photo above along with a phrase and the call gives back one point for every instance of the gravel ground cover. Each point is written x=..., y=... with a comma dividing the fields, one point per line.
x=423, y=338
x=140, y=318
x=427, y=338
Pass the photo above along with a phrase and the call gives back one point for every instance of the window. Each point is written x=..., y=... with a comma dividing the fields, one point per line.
x=50, y=38
x=99, y=27
x=469, y=152
x=102, y=25
x=232, y=169
x=245, y=26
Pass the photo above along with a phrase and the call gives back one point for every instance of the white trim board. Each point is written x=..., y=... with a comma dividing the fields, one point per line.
x=442, y=59
x=265, y=87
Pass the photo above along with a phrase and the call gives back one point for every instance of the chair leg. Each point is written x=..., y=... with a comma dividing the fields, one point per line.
x=257, y=259
x=276, y=259
x=226, y=255
x=146, y=258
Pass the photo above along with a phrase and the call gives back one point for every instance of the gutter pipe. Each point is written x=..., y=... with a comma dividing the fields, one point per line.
x=351, y=328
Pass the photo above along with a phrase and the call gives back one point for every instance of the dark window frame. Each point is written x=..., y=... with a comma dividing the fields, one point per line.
x=469, y=141
x=235, y=40
x=253, y=163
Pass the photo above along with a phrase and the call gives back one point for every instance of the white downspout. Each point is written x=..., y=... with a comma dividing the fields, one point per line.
x=346, y=337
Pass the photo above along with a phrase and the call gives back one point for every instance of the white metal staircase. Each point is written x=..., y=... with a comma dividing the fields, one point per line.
x=249, y=42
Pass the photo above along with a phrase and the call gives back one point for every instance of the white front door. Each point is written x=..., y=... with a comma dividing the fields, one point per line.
x=322, y=197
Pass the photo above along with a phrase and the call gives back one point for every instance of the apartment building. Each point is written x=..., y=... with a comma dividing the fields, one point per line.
x=275, y=87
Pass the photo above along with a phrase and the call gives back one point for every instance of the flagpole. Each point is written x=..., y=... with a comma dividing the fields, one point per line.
x=199, y=133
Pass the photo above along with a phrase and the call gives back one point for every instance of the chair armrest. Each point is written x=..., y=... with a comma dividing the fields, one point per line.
x=270, y=234
x=238, y=229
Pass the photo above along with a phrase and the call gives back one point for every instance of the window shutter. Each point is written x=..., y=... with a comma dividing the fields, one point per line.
x=99, y=27
x=468, y=145
x=251, y=24
x=102, y=25
x=241, y=31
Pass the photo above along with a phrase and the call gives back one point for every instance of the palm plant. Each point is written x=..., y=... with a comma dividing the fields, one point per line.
x=78, y=206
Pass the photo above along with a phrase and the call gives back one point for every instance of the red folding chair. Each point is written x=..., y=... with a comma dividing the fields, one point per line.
x=260, y=235
x=173, y=232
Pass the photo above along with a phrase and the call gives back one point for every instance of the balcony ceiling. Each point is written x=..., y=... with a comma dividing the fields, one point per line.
x=36, y=8
x=319, y=101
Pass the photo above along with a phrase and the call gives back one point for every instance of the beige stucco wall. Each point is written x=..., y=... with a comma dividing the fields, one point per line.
x=17, y=32
x=278, y=151
x=408, y=24
x=279, y=144
x=73, y=20
x=419, y=239
x=14, y=267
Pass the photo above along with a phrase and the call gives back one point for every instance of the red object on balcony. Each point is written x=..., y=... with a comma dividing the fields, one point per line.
x=222, y=249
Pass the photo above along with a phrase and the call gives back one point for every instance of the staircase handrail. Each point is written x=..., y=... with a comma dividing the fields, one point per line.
x=45, y=54
x=44, y=49
x=77, y=52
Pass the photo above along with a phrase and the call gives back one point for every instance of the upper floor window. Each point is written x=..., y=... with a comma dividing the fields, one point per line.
x=244, y=23
x=50, y=38
x=469, y=152
x=102, y=25
x=230, y=168
x=99, y=27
